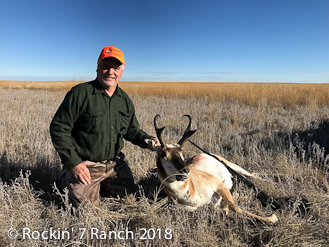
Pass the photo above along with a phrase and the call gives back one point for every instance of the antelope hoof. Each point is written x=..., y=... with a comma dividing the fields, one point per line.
x=273, y=219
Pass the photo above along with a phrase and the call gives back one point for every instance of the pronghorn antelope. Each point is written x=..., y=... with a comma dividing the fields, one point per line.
x=199, y=180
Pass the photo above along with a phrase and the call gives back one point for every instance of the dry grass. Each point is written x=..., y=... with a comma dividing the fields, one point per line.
x=285, y=94
x=284, y=143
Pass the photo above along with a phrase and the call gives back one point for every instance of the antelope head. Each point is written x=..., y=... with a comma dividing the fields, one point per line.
x=170, y=159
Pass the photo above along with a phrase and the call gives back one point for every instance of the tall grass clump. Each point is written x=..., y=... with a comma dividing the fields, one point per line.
x=281, y=137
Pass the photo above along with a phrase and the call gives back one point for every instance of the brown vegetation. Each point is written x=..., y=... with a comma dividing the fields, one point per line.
x=278, y=131
x=285, y=94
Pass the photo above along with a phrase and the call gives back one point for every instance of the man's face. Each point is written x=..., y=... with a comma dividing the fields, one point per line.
x=109, y=72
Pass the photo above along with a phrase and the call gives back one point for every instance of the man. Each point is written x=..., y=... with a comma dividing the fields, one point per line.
x=88, y=131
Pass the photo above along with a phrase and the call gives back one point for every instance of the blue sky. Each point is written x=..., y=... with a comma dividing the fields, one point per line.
x=223, y=40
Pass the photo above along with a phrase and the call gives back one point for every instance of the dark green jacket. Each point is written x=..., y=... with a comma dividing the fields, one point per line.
x=90, y=125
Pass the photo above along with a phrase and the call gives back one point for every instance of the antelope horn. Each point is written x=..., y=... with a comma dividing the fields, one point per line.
x=187, y=133
x=159, y=131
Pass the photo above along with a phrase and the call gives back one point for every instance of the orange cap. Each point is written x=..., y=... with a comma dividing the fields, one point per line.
x=111, y=51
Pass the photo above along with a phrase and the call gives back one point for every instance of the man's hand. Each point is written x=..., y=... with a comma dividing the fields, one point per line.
x=81, y=174
x=153, y=143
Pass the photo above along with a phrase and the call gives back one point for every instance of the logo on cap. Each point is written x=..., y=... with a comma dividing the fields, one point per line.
x=108, y=51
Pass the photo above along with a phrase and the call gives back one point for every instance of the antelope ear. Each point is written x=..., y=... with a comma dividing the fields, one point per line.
x=152, y=143
x=149, y=141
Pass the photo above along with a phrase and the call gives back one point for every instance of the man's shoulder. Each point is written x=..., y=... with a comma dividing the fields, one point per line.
x=122, y=93
x=84, y=87
x=125, y=96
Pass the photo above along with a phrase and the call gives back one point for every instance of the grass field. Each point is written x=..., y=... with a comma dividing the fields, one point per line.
x=284, y=94
x=278, y=131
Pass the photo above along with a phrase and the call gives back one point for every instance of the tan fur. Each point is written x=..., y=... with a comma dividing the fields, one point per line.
x=198, y=180
x=170, y=192
x=226, y=195
x=191, y=187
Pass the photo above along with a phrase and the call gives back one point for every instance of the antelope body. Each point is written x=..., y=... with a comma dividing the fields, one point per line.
x=199, y=180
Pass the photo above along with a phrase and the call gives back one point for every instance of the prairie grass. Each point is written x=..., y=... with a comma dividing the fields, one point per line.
x=277, y=131
x=285, y=94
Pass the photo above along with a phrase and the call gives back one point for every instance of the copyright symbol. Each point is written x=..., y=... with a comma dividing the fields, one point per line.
x=12, y=233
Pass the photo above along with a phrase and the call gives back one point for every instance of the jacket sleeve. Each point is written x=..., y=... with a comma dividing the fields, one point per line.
x=134, y=133
x=61, y=128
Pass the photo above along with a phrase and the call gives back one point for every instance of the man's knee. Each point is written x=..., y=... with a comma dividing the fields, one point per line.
x=122, y=185
x=81, y=192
